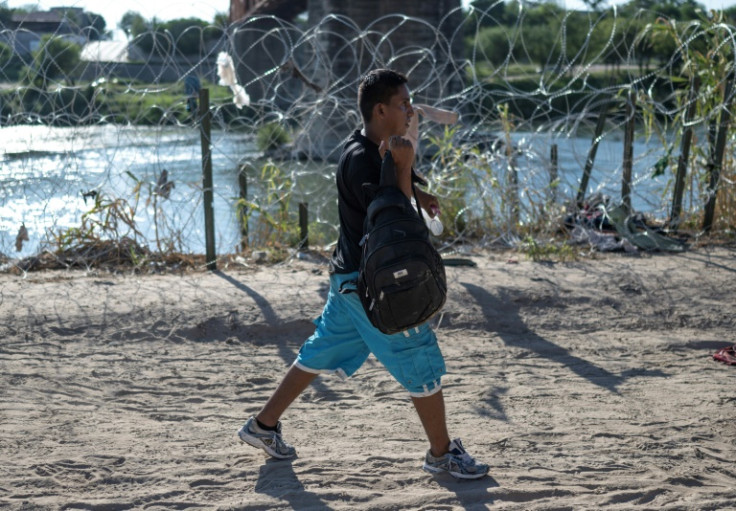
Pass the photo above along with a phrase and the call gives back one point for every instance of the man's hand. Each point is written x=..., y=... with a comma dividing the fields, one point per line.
x=402, y=152
x=428, y=202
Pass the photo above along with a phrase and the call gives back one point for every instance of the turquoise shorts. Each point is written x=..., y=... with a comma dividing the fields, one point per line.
x=344, y=338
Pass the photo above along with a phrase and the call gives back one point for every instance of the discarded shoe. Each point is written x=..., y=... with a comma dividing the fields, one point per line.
x=726, y=355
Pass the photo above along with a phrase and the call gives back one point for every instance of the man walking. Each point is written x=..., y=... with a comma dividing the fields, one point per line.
x=344, y=336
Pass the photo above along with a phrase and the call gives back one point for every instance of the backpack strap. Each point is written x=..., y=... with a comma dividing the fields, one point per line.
x=419, y=207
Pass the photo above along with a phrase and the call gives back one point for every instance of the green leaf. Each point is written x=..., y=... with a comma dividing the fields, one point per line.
x=659, y=168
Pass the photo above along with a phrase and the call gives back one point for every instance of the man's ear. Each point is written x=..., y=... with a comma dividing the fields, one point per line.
x=379, y=109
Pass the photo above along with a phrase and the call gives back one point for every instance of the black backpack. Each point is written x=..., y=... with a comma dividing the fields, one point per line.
x=402, y=281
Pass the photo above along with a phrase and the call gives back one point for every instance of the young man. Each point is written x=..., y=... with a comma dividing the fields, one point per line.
x=344, y=336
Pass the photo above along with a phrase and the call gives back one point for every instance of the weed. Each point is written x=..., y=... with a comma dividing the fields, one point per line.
x=539, y=251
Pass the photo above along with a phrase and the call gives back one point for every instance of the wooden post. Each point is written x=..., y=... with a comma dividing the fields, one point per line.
x=303, y=226
x=687, y=137
x=242, y=208
x=553, y=173
x=628, y=162
x=513, y=190
x=716, y=157
x=205, y=126
x=592, y=152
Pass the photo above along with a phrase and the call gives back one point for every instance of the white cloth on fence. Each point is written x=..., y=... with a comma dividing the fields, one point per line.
x=226, y=72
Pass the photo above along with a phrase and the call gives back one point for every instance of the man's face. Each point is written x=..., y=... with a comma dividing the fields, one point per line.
x=398, y=112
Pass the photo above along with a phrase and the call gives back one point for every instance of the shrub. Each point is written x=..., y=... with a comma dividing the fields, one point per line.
x=271, y=136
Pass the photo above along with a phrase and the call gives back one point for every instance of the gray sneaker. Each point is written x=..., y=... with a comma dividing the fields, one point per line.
x=269, y=441
x=458, y=463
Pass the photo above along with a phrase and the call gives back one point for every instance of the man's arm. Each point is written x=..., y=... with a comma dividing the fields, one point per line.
x=428, y=202
x=403, y=154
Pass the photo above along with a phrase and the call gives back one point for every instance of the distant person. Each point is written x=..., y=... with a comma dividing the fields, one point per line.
x=344, y=336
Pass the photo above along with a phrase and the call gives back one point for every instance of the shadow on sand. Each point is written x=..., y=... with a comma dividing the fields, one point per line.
x=501, y=308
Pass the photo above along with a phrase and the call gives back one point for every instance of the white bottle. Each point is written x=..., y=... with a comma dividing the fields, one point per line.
x=434, y=223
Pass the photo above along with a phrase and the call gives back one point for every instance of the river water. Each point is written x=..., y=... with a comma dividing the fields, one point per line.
x=48, y=175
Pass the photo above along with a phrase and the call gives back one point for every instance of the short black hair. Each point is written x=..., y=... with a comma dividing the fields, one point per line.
x=377, y=87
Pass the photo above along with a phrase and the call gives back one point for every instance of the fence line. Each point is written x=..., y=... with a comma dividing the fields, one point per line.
x=85, y=149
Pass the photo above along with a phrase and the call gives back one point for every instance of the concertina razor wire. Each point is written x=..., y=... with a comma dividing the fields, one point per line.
x=103, y=148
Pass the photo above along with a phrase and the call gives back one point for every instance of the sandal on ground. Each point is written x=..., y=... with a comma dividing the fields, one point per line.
x=726, y=355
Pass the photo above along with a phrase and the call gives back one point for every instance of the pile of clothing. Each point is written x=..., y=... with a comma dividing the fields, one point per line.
x=611, y=227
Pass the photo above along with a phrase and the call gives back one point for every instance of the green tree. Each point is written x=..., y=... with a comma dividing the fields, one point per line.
x=541, y=44
x=541, y=34
x=595, y=5
x=5, y=13
x=95, y=29
x=6, y=53
x=56, y=57
x=691, y=10
x=493, y=44
x=222, y=20
x=187, y=33
x=604, y=42
x=729, y=15
x=11, y=64
x=488, y=13
x=543, y=14
x=578, y=27
x=188, y=36
x=152, y=38
x=634, y=8
x=133, y=24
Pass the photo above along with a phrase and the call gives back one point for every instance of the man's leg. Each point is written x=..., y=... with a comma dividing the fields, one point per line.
x=444, y=455
x=431, y=411
x=293, y=384
x=267, y=434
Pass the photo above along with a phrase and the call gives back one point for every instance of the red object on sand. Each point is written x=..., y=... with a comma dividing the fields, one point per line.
x=726, y=355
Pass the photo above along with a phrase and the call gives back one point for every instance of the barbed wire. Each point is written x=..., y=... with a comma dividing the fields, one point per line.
x=104, y=155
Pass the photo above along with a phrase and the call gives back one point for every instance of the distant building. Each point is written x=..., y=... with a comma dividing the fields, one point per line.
x=71, y=23
x=105, y=51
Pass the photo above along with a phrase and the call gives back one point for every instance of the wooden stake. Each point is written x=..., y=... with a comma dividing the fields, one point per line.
x=716, y=158
x=628, y=162
x=303, y=226
x=687, y=137
x=592, y=152
x=243, y=209
x=553, y=173
x=205, y=126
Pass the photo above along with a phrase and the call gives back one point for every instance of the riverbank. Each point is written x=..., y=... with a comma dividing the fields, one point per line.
x=586, y=385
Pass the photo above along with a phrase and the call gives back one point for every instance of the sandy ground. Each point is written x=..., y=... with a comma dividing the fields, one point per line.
x=585, y=385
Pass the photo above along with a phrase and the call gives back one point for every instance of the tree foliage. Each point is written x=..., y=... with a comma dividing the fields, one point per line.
x=133, y=24
x=6, y=52
x=95, y=28
x=548, y=36
x=5, y=13
x=186, y=36
x=55, y=57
